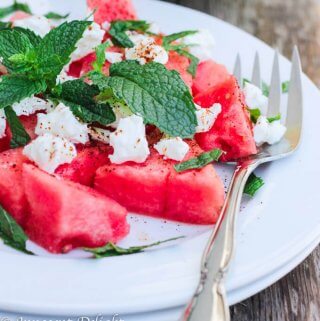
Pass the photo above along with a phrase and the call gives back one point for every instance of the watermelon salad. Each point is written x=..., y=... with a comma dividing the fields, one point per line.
x=108, y=115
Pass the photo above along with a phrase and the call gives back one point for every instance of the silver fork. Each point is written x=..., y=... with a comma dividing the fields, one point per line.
x=209, y=303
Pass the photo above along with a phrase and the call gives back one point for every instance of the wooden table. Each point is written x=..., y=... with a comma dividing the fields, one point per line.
x=280, y=23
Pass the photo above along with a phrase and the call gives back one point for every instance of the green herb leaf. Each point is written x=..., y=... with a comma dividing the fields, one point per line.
x=33, y=38
x=158, y=95
x=19, y=135
x=118, y=31
x=272, y=119
x=167, y=40
x=254, y=183
x=194, y=61
x=200, y=161
x=15, y=88
x=16, y=6
x=265, y=89
x=54, y=51
x=101, y=56
x=79, y=96
x=56, y=16
x=285, y=87
x=5, y=25
x=254, y=114
x=11, y=233
x=111, y=249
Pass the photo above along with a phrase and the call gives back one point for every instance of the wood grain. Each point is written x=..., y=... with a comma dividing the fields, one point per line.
x=280, y=23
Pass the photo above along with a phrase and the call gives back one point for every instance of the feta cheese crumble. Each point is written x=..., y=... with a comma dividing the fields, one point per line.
x=38, y=7
x=49, y=152
x=29, y=106
x=172, y=148
x=266, y=132
x=146, y=50
x=61, y=122
x=91, y=38
x=255, y=98
x=154, y=28
x=114, y=57
x=38, y=24
x=3, y=124
x=206, y=117
x=129, y=141
x=100, y=134
x=201, y=44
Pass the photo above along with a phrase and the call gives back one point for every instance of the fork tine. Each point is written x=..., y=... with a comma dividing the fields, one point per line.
x=256, y=74
x=275, y=88
x=237, y=70
x=295, y=99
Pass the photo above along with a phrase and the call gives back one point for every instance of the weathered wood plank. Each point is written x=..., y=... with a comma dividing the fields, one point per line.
x=281, y=24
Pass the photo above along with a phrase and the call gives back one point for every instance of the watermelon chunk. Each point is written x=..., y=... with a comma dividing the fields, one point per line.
x=209, y=74
x=155, y=188
x=65, y=215
x=110, y=10
x=12, y=196
x=83, y=168
x=232, y=131
x=180, y=64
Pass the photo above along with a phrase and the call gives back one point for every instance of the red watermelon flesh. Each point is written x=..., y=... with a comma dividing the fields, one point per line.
x=12, y=196
x=28, y=122
x=110, y=10
x=83, y=168
x=209, y=74
x=180, y=64
x=232, y=131
x=65, y=215
x=154, y=188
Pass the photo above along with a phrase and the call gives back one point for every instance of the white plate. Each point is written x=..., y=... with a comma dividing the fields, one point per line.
x=276, y=229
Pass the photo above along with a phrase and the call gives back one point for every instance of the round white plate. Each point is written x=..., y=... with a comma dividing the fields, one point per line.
x=276, y=229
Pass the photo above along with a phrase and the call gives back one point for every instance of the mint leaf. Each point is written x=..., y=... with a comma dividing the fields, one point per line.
x=101, y=56
x=5, y=25
x=19, y=135
x=111, y=249
x=254, y=183
x=158, y=95
x=12, y=42
x=16, y=6
x=194, y=61
x=33, y=38
x=56, y=16
x=167, y=40
x=265, y=89
x=272, y=119
x=118, y=31
x=198, y=162
x=79, y=96
x=254, y=114
x=55, y=49
x=11, y=233
x=15, y=88
x=285, y=87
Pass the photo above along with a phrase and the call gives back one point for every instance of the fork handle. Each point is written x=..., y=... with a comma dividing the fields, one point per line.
x=209, y=303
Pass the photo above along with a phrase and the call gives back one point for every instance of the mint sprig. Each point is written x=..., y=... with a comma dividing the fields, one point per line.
x=11, y=233
x=118, y=31
x=194, y=61
x=253, y=184
x=158, y=95
x=111, y=249
x=100, y=56
x=200, y=161
x=167, y=40
x=16, y=6
x=19, y=135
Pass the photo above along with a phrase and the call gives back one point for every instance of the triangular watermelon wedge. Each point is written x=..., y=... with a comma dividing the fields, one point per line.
x=232, y=131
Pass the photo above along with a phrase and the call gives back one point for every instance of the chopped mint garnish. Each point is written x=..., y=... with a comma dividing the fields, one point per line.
x=19, y=135
x=285, y=87
x=111, y=249
x=79, y=96
x=56, y=16
x=254, y=183
x=101, y=56
x=200, y=161
x=118, y=31
x=16, y=6
x=11, y=233
x=265, y=89
x=272, y=119
x=5, y=25
x=158, y=95
x=254, y=114
x=194, y=61
x=167, y=40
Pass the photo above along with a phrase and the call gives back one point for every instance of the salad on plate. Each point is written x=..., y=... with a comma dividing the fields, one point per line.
x=106, y=116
